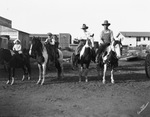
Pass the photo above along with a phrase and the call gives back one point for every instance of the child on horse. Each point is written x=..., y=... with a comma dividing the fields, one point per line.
x=52, y=47
x=88, y=37
x=17, y=48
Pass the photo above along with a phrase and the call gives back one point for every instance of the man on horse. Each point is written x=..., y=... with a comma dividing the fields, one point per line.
x=87, y=37
x=52, y=47
x=106, y=38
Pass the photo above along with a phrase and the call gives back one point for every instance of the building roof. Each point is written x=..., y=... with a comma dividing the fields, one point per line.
x=135, y=34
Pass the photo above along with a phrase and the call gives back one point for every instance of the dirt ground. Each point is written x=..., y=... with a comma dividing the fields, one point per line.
x=69, y=98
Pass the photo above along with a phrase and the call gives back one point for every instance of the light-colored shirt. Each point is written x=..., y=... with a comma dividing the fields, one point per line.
x=50, y=40
x=88, y=35
x=17, y=47
x=106, y=32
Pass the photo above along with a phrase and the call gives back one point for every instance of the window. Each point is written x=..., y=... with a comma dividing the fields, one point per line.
x=143, y=38
x=138, y=39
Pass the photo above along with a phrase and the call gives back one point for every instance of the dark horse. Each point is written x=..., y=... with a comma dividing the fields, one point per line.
x=87, y=55
x=108, y=55
x=13, y=61
x=38, y=51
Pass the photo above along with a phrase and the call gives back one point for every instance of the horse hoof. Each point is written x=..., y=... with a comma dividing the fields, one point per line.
x=86, y=80
x=12, y=83
x=29, y=78
x=7, y=82
x=104, y=82
x=113, y=82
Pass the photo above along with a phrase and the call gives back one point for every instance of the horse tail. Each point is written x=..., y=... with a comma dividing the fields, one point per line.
x=60, y=55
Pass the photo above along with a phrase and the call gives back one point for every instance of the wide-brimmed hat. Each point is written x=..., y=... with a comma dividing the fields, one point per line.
x=49, y=34
x=84, y=26
x=17, y=40
x=106, y=23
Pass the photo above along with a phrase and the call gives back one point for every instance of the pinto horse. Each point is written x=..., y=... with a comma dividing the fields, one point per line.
x=39, y=52
x=109, y=57
x=13, y=61
x=87, y=55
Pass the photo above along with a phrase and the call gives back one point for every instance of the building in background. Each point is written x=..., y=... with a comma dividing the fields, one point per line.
x=9, y=34
x=14, y=34
x=64, y=40
x=5, y=22
x=134, y=38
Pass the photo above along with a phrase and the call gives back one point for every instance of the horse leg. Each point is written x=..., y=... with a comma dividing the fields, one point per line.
x=112, y=76
x=62, y=67
x=9, y=75
x=40, y=73
x=24, y=71
x=98, y=71
x=29, y=70
x=104, y=73
x=59, y=69
x=43, y=73
x=13, y=75
x=80, y=73
x=86, y=75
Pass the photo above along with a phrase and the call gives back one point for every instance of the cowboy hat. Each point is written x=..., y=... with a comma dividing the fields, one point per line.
x=106, y=23
x=49, y=34
x=17, y=40
x=84, y=26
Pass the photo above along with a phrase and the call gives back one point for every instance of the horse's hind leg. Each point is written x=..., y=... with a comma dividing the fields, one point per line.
x=13, y=75
x=104, y=73
x=59, y=69
x=29, y=70
x=112, y=76
x=86, y=75
x=9, y=75
x=24, y=73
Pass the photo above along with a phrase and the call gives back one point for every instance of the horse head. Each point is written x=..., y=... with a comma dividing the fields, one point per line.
x=36, y=47
x=116, y=46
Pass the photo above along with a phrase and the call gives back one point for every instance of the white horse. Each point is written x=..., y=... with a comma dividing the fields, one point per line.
x=39, y=52
x=109, y=57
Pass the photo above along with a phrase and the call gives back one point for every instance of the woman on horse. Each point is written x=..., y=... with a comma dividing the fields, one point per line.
x=106, y=38
x=87, y=37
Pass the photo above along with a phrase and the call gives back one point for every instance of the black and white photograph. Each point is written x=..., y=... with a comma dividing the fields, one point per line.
x=74, y=58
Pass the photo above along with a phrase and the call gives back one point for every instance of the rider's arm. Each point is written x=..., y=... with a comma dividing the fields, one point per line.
x=101, y=39
x=111, y=36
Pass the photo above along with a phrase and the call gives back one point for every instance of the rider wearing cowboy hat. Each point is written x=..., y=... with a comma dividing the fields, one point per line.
x=106, y=37
x=87, y=35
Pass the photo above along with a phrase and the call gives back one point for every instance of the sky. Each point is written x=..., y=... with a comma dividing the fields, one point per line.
x=67, y=16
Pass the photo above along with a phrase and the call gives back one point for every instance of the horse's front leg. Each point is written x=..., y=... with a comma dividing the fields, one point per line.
x=9, y=75
x=24, y=71
x=80, y=73
x=104, y=73
x=112, y=76
x=43, y=73
x=13, y=75
x=86, y=74
x=40, y=73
